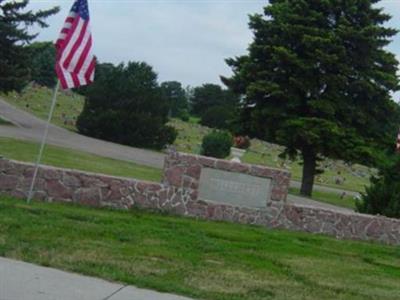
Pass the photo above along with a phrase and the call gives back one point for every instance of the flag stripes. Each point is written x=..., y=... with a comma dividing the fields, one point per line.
x=75, y=63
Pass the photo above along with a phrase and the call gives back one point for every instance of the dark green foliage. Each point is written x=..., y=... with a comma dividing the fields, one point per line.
x=4, y=122
x=184, y=116
x=14, y=34
x=317, y=79
x=125, y=105
x=210, y=95
x=42, y=61
x=215, y=106
x=217, y=144
x=217, y=117
x=176, y=97
x=383, y=195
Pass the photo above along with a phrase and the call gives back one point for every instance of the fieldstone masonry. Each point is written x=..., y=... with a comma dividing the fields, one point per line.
x=178, y=194
x=183, y=171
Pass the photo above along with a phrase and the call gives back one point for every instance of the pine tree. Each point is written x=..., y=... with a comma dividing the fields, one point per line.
x=42, y=58
x=317, y=79
x=14, y=34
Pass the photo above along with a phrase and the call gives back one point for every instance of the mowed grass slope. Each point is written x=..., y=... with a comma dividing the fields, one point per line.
x=37, y=100
x=72, y=159
x=353, y=177
x=199, y=259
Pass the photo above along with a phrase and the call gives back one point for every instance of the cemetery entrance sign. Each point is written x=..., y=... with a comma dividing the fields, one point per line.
x=235, y=189
x=225, y=182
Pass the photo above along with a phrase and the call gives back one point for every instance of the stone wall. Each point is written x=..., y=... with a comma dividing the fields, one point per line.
x=183, y=171
x=64, y=185
x=178, y=194
x=341, y=225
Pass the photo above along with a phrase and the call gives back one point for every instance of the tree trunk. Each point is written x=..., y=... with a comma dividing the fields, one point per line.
x=309, y=168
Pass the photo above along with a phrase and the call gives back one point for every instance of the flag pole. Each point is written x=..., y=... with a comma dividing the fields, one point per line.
x=44, y=138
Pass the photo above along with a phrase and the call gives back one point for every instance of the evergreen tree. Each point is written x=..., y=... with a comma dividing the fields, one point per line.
x=317, y=79
x=14, y=34
x=42, y=60
x=383, y=195
x=125, y=105
x=218, y=117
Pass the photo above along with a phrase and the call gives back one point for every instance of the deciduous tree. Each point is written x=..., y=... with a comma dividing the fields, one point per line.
x=176, y=97
x=210, y=95
x=125, y=105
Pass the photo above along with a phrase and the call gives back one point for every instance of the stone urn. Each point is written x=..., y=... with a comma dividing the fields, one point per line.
x=237, y=153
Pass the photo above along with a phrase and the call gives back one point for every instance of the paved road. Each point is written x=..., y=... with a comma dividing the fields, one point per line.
x=308, y=202
x=23, y=281
x=322, y=188
x=29, y=127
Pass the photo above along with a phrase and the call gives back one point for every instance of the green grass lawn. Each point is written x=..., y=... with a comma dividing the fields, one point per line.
x=66, y=158
x=356, y=177
x=37, y=100
x=204, y=260
x=329, y=197
x=190, y=135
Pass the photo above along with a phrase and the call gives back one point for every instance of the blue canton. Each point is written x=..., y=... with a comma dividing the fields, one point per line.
x=81, y=8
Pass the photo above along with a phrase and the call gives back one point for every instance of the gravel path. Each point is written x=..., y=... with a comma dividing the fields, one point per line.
x=29, y=127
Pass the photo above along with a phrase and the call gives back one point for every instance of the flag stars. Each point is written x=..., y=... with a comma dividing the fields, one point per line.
x=81, y=8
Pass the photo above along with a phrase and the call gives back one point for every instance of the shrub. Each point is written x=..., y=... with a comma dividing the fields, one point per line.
x=184, y=116
x=217, y=144
x=217, y=117
x=383, y=196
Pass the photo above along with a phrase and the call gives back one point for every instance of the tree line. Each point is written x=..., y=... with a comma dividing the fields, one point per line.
x=127, y=105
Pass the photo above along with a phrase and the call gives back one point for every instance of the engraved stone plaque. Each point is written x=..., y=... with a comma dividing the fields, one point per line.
x=234, y=188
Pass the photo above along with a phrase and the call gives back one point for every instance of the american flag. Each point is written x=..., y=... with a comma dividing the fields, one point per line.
x=75, y=62
x=398, y=143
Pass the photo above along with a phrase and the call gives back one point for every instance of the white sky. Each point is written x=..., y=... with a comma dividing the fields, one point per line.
x=184, y=40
